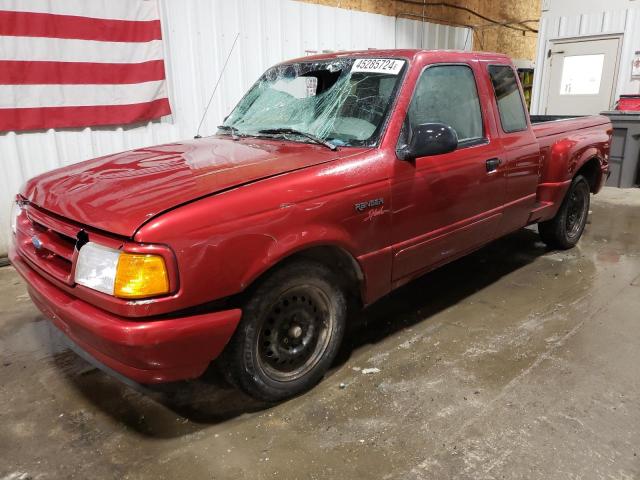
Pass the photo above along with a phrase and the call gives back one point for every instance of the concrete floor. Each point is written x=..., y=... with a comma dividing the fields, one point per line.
x=515, y=362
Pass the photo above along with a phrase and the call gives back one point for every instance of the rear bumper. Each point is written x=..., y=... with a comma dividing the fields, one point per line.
x=151, y=351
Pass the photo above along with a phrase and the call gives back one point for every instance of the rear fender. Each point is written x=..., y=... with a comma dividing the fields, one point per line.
x=564, y=162
x=585, y=157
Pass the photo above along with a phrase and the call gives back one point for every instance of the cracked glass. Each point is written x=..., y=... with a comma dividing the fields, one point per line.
x=341, y=102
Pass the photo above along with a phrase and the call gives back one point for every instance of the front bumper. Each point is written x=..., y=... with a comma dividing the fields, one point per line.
x=150, y=351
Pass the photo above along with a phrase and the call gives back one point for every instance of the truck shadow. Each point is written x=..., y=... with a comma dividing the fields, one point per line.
x=180, y=409
x=440, y=289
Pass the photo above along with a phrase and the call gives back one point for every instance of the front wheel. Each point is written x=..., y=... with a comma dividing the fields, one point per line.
x=290, y=332
x=565, y=229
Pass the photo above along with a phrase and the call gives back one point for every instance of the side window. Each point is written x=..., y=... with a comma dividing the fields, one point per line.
x=510, y=104
x=447, y=94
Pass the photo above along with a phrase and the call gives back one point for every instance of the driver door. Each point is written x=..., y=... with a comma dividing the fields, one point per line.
x=449, y=204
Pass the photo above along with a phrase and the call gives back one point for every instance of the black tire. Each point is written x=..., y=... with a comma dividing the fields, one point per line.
x=565, y=229
x=291, y=329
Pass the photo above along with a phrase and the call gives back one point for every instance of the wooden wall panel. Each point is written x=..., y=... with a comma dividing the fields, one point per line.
x=487, y=36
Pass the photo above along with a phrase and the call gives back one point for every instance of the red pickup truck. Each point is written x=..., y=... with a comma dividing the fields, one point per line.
x=336, y=179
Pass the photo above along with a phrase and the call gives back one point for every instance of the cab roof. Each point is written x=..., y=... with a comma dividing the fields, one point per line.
x=409, y=54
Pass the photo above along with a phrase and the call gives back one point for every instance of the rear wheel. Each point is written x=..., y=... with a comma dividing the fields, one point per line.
x=290, y=332
x=565, y=229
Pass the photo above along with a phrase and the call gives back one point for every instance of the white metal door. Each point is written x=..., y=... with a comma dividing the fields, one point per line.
x=582, y=76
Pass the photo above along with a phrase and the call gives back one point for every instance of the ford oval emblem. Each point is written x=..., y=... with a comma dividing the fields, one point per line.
x=37, y=243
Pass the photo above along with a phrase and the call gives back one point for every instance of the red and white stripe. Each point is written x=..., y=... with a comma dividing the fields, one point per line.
x=78, y=63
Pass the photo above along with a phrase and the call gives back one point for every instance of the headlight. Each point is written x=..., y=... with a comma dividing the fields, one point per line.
x=16, y=210
x=122, y=274
x=96, y=267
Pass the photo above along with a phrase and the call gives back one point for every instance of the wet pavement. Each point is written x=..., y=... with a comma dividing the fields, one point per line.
x=515, y=362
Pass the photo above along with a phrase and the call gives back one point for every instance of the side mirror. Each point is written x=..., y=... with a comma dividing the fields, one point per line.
x=430, y=139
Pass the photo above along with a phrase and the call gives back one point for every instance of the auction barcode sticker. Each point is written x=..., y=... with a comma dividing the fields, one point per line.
x=378, y=65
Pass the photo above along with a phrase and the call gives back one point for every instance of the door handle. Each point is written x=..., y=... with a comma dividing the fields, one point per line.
x=493, y=164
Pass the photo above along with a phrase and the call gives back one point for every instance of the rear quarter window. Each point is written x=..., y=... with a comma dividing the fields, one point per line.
x=510, y=105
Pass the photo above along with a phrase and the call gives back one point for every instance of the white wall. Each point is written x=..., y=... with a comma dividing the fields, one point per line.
x=197, y=37
x=585, y=18
x=571, y=7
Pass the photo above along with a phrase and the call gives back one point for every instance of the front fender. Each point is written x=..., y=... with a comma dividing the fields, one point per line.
x=244, y=257
x=225, y=242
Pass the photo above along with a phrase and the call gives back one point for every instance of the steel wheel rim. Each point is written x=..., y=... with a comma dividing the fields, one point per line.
x=576, y=211
x=295, y=333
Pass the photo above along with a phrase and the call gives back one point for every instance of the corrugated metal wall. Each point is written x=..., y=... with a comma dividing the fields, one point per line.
x=625, y=21
x=197, y=37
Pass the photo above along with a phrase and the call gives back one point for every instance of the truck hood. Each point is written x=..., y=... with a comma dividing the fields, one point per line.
x=118, y=193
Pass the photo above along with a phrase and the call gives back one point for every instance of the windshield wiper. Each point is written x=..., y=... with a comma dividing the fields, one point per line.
x=231, y=129
x=293, y=131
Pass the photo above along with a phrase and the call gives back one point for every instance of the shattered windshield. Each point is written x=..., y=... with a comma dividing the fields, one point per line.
x=338, y=102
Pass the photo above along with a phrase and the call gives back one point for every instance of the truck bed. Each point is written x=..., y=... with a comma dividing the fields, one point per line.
x=573, y=136
x=550, y=125
x=551, y=118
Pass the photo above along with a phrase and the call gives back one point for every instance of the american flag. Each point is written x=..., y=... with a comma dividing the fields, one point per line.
x=78, y=63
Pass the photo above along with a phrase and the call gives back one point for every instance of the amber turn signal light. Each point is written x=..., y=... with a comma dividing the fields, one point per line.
x=140, y=276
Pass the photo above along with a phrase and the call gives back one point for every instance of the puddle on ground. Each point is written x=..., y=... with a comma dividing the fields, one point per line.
x=436, y=353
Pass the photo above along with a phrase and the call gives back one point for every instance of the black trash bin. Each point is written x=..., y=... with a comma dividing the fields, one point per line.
x=625, y=149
